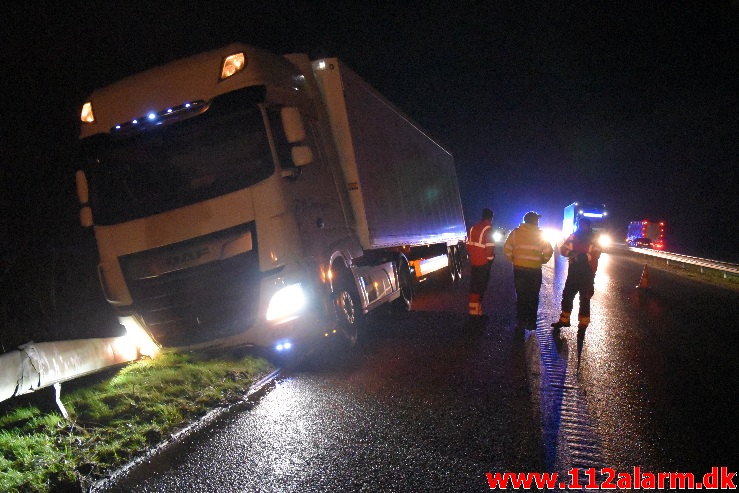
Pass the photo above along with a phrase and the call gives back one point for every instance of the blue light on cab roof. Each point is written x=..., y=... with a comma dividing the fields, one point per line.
x=158, y=118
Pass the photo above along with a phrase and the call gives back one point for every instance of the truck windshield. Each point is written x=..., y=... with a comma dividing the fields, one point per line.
x=222, y=150
x=596, y=213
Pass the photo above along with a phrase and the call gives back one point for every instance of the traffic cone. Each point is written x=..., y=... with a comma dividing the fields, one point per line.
x=644, y=283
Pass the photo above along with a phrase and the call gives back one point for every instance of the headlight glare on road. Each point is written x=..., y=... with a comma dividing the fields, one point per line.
x=553, y=236
x=286, y=303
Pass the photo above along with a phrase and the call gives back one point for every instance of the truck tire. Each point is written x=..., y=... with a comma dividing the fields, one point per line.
x=348, y=309
x=455, y=271
x=458, y=261
x=405, y=284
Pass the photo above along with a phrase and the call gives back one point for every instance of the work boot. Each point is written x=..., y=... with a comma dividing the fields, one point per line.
x=564, y=320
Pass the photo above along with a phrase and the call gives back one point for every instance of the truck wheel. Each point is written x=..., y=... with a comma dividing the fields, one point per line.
x=348, y=310
x=458, y=261
x=405, y=284
x=454, y=272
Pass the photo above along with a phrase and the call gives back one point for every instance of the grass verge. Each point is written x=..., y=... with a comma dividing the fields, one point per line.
x=117, y=419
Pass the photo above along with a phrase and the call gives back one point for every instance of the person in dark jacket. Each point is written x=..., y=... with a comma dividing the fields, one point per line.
x=582, y=251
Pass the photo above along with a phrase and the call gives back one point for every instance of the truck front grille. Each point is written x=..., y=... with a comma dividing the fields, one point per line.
x=199, y=303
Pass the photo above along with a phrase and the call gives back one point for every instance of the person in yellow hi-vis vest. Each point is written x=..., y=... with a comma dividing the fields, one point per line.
x=528, y=250
x=481, y=249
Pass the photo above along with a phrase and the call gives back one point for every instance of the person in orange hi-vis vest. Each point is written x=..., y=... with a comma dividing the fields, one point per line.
x=481, y=249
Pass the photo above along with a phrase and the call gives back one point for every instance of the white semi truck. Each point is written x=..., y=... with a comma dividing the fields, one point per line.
x=243, y=197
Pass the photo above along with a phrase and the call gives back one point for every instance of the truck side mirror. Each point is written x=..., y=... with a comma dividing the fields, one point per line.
x=86, y=216
x=292, y=124
x=83, y=195
x=301, y=155
x=83, y=191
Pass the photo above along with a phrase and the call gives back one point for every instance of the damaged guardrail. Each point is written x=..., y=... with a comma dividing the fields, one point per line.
x=34, y=366
x=37, y=365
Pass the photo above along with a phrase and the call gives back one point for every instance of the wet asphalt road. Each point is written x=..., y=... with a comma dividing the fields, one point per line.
x=426, y=404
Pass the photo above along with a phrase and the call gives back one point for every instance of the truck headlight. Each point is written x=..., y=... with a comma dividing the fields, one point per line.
x=139, y=337
x=604, y=240
x=553, y=236
x=232, y=64
x=87, y=116
x=286, y=303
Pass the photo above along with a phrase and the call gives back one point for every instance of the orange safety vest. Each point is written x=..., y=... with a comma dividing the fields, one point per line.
x=480, y=243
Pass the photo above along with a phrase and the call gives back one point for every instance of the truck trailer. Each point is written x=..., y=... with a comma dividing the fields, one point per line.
x=654, y=230
x=240, y=197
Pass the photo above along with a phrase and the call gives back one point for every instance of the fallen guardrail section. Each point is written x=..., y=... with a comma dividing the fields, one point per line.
x=34, y=366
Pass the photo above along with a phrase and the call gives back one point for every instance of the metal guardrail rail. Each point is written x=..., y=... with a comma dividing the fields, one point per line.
x=34, y=366
x=725, y=267
x=37, y=365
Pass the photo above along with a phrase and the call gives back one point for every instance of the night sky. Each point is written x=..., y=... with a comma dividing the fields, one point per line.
x=629, y=103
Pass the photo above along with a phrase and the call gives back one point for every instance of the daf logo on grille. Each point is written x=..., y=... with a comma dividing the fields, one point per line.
x=184, y=257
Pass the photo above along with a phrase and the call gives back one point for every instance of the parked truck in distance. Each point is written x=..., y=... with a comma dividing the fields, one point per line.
x=242, y=197
x=597, y=214
x=652, y=230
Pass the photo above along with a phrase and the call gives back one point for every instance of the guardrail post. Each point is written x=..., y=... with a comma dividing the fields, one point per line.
x=59, y=403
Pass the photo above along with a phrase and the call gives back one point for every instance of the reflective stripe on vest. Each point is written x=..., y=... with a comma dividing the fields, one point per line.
x=479, y=242
x=481, y=251
x=532, y=252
